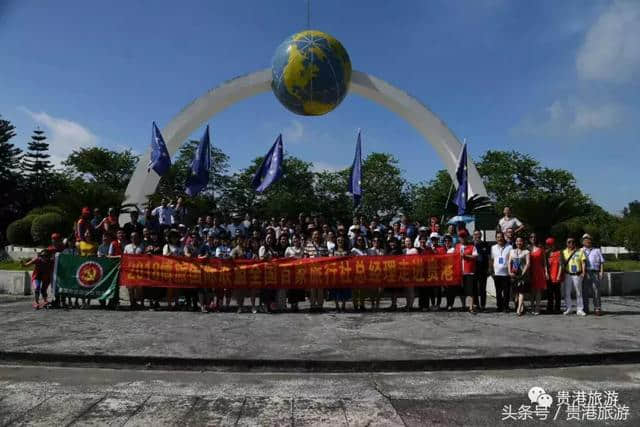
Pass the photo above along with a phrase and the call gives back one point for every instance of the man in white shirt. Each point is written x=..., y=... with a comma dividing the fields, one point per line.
x=509, y=221
x=499, y=255
x=136, y=247
x=593, y=275
x=164, y=213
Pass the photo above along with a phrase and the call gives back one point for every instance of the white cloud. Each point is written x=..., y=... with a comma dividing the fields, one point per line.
x=63, y=135
x=328, y=167
x=571, y=118
x=611, y=50
x=294, y=132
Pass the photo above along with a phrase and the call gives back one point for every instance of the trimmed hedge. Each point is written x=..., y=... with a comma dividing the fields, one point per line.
x=45, y=225
x=19, y=232
x=47, y=209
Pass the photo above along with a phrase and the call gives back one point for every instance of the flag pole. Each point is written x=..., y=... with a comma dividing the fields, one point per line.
x=464, y=141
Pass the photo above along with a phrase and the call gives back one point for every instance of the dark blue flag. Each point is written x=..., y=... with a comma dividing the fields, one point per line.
x=355, y=179
x=463, y=182
x=199, y=177
x=159, y=159
x=270, y=170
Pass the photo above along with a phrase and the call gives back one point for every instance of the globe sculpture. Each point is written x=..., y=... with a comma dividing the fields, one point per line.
x=311, y=72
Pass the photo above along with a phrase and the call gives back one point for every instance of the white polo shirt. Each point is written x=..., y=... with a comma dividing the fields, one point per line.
x=506, y=224
x=499, y=257
x=165, y=215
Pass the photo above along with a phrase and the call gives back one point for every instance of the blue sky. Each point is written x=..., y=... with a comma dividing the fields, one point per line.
x=556, y=79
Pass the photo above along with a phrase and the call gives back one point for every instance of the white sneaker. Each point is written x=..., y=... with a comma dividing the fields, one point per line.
x=566, y=313
x=581, y=313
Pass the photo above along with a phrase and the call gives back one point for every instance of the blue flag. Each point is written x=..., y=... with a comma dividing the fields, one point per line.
x=199, y=177
x=355, y=179
x=270, y=170
x=463, y=182
x=159, y=160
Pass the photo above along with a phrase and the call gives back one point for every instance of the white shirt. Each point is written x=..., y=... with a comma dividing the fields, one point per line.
x=412, y=251
x=165, y=215
x=363, y=231
x=511, y=222
x=293, y=252
x=331, y=246
x=170, y=249
x=223, y=252
x=499, y=256
x=132, y=249
x=358, y=252
x=375, y=251
x=265, y=253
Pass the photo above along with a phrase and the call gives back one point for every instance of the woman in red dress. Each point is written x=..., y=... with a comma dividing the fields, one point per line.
x=539, y=271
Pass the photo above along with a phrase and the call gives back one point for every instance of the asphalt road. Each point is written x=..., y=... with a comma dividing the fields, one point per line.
x=80, y=396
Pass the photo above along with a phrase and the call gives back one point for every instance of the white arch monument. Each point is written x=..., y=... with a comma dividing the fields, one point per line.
x=430, y=126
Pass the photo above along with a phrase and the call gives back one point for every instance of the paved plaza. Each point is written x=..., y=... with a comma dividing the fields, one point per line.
x=347, y=338
x=95, y=367
x=83, y=396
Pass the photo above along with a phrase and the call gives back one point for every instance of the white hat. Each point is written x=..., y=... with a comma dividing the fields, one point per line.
x=423, y=228
x=434, y=235
x=586, y=236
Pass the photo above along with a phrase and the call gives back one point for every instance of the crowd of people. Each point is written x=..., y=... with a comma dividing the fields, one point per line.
x=519, y=266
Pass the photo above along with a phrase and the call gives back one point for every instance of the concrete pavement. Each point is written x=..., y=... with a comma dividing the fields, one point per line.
x=330, y=338
x=79, y=396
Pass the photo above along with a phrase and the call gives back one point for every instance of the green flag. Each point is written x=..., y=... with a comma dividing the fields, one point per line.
x=86, y=277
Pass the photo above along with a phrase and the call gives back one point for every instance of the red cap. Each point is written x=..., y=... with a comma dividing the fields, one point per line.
x=86, y=211
x=55, y=236
x=550, y=241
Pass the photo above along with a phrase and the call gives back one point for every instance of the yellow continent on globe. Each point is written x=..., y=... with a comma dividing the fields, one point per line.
x=300, y=69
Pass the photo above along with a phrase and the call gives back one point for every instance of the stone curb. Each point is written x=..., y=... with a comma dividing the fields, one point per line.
x=328, y=366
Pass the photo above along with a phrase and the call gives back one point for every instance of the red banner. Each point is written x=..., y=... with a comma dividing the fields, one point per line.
x=289, y=273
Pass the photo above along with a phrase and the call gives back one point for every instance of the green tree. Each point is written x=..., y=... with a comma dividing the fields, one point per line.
x=632, y=210
x=36, y=165
x=628, y=232
x=332, y=199
x=383, y=186
x=293, y=193
x=10, y=155
x=429, y=199
x=40, y=181
x=541, y=197
x=100, y=165
x=172, y=184
x=10, y=179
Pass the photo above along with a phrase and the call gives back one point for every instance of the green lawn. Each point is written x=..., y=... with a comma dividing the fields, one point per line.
x=13, y=265
x=622, y=265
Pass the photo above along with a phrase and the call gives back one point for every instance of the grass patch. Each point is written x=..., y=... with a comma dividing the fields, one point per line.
x=13, y=265
x=622, y=265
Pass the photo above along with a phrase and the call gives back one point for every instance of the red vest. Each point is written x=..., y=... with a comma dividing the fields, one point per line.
x=468, y=265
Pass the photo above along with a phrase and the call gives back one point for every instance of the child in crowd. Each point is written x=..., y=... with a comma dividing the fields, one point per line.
x=40, y=277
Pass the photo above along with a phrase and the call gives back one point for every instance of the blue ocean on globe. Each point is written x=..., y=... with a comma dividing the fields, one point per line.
x=311, y=72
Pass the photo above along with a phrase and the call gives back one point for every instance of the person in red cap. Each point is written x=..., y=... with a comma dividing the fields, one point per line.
x=56, y=242
x=554, y=261
x=41, y=276
x=83, y=224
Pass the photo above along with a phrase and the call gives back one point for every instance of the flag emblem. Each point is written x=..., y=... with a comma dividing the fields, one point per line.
x=89, y=274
